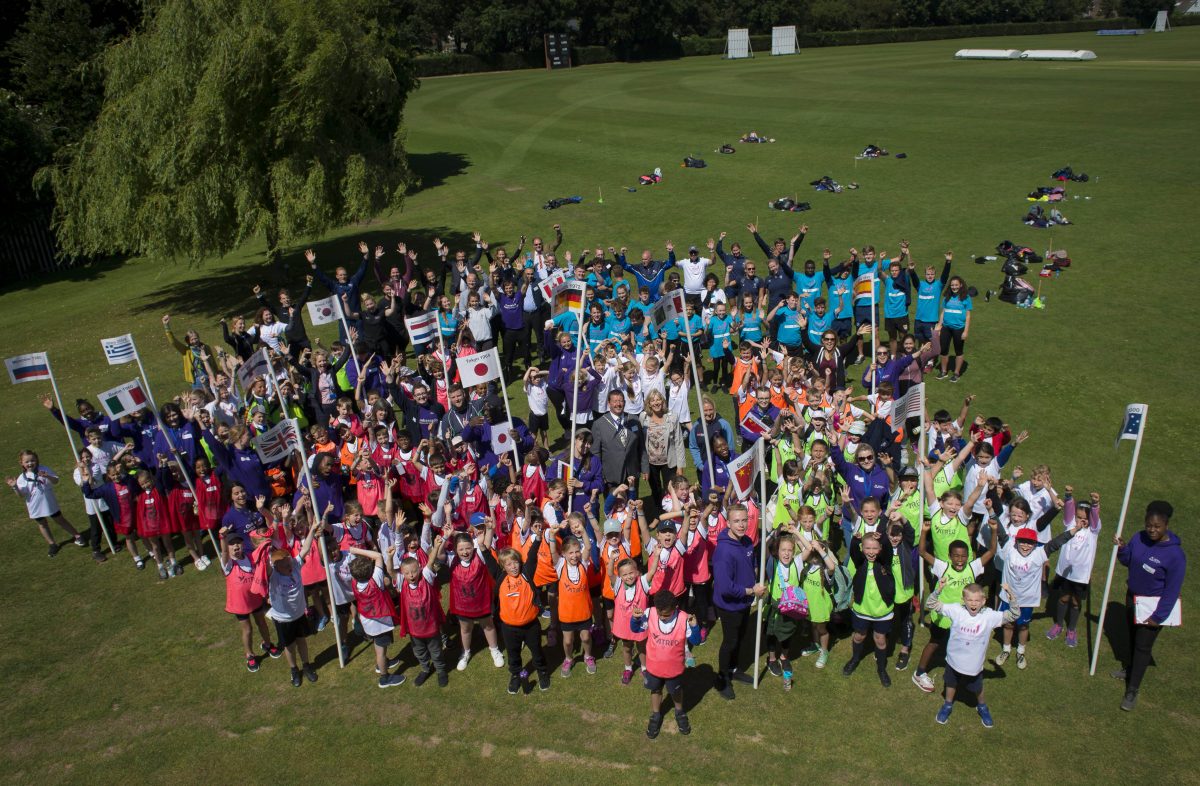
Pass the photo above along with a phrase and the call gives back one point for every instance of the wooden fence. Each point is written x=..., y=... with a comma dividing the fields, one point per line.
x=28, y=248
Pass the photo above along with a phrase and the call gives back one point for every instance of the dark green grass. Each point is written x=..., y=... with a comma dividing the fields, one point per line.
x=110, y=674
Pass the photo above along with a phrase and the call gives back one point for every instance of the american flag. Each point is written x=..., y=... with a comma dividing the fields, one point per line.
x=1131, y=428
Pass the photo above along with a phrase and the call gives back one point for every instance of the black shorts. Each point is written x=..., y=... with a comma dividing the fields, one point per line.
x=863, y=624
x=607, y=604
x=842, y=327
x=672, y=684
x=538, y=422
x=286, y=633
x=970, y=682
x=479, y=618
x=686, y=602
x=575, y=627
x=244, y=617
x=793, y=352
x=1065, y=586
x=896, y=324
x=938, y=635
x=383, y=640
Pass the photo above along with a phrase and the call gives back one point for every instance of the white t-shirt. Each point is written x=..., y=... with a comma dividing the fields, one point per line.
x=1041, y=502
x=650, y=381
x=1024, y=574
x=38, y=492
x=678, y=402
x=269, y=334
x=1078, y=555
x=693, y=273
x=538, y=400
x=971, y=480
x=286, y=593
x=373, y=627
x=966, y=649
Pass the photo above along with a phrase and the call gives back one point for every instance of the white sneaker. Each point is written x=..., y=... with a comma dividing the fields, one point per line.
x=462, y=662
x=497, y=657
x=923, y=682
x=203, y=563
x=1002, y=658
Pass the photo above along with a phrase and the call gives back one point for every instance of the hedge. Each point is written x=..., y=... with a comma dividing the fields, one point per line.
x=691, y=46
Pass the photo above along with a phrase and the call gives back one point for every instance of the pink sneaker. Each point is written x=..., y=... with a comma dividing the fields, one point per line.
x=566, y=668
x=1072, y=638
x=627, y=675
x=590, y=663
x=1055, y=629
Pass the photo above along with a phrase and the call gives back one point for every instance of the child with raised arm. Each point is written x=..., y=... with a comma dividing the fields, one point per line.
x=631, y=593
x=472, y=590
x=241, y=598
x=959, y=571
x=816, y=582
x=1024, y=559
x=35, y=486
x=667, y=637
x=783, y=589
x=421, y=614
x=572, y=564
x=376, y=610
x=970, y=630
x=518, y=611
x=1074, y=571
x=289, y=609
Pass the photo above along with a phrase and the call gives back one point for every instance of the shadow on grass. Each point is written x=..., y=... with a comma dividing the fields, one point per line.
x=228, y=291
x=434, y=169
x=83, y=273
x=697, y=683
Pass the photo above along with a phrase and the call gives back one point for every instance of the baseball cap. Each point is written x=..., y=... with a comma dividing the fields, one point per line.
x=612, y=527
x=668, y=526
x=1025, y=533
x=909, y=472
x=693, y=248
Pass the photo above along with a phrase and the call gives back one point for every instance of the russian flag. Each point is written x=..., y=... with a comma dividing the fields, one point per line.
x=28, y=368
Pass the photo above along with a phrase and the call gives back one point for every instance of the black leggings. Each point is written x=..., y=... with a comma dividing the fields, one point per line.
x=700, y=603
x=722, y=370
x=558, y=399
x=660, y=475
x=515, y=342
x=902, y=623
x=952, y=334
x=733, y=630
x=95, y=534
x=1141, y=642
x=531, y=636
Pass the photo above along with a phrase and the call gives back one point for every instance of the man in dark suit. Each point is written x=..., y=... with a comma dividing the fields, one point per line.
x=618, y=441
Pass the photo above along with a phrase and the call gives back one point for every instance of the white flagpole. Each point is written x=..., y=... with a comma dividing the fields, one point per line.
x=699, y=399
x=574, y=406
x=1112, y=561
x=874, y=340
x=75, y=454
x=350, y=340
x=187, y=477
x=508, y=411
x=762, y=548
x=445, y=358
x=921, y=494
x=319, y=515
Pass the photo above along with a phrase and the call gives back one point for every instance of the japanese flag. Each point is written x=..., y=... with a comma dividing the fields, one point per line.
x=479, y=368
x=502, y=439
x=742, y=472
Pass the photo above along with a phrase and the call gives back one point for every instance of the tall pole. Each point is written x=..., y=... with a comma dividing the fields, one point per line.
x=699, y=399
x=574, y=406
x=762, y=549
x=1112, y=560
x=508, y=411
x=187, y=478
x=921, y=508
x=874, y=340
x=445, y=360
x=312, y=496
x=75, y=455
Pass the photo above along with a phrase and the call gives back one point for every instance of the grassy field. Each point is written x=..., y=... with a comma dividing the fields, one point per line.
x=112, y=674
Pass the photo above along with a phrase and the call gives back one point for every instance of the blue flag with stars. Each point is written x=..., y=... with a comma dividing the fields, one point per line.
x=1131, y=428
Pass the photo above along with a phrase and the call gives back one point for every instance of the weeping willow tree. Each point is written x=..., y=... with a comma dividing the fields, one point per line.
x=228, y=120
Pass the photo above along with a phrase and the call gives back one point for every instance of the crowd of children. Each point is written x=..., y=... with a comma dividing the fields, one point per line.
x=862, y=511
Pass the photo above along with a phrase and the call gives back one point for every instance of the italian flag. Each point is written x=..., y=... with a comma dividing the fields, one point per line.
x=123, y=399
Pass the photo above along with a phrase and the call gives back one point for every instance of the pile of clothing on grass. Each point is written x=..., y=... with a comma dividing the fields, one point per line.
x=789, y=205
x=1047, y=194
x=872, y=151
x=753, y=137
x=827, y=183
x=554, y=204
x=652, y=178
x=1067, y=174
x=692, y=162
x=1037, y=217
